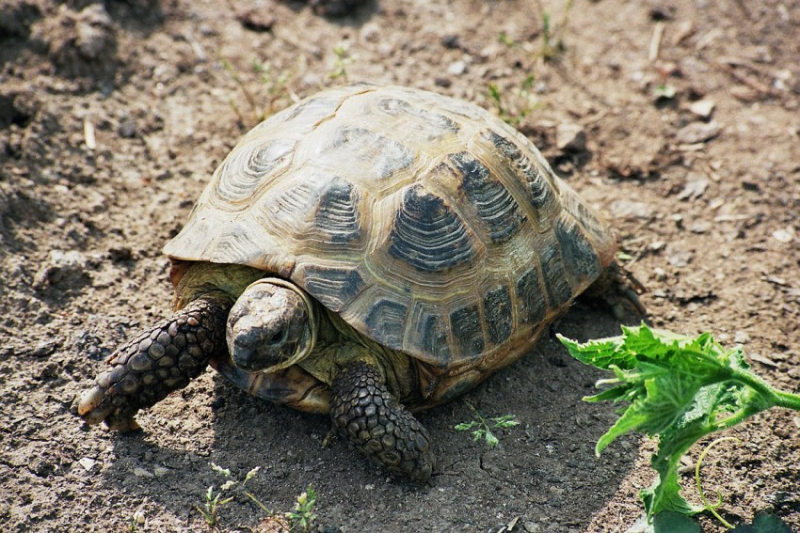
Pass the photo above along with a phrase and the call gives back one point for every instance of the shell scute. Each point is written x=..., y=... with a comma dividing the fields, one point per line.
x=427, y=234
x=495, y=205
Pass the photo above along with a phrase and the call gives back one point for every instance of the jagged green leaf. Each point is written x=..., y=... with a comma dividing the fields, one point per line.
x=678, y=389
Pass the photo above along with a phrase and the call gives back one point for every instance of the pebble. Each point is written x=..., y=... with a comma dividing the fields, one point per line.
x=87, y=463
x=95, y=31
x=457, y=68
x=141, y=472
x=629, y=209
x=784, y=235
x=698, y=132
x=679, y=258
x=741, y=337
x=702, y=108
x=570, y=137
x=694, y=189
x=371, y=33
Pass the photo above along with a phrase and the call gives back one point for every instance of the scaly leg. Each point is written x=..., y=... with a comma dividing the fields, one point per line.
x=373, y=421
x=160, y=360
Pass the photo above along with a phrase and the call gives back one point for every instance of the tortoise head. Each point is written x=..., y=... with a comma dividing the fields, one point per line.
x=271, y=326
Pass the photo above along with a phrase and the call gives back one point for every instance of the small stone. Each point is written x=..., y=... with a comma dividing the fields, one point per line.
x=679, y=258
x=702, y=108
x=698, y=132
x=457, y=68
x=141, y=472
x=629, y=209
x=570, y=137
x=371, y=33
x=95, y=31
x=256, y=19
x=87, y=463
x=660, y=274
x=693, y=189
x=741, y=337
x=127, y=128
x=160, y=471
x=784, y=235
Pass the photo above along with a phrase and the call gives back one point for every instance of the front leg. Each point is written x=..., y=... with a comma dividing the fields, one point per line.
x=160, y=360
x=373, y=421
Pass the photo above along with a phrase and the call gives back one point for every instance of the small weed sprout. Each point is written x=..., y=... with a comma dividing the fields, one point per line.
x=553, y=40
x=482, y=428
x=342, y=58
x=268, y=79
x=524, y=93
x=214, y=500
x=302, y=517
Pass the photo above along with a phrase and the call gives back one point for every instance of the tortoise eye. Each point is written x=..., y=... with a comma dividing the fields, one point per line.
x=278, y=337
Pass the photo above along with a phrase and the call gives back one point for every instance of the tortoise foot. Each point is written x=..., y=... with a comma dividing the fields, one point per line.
x=160, y=360
x=376, y=424
x=620, y=290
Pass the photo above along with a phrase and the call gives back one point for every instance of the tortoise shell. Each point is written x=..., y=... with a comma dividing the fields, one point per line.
x=426, y=223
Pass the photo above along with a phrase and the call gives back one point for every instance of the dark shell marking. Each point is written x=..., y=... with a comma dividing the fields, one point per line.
x=428, y=235
x=496, y=207
x=333, y=287
x=338, y=214
x=497, y=305
x=467, y=330
x=385, y=323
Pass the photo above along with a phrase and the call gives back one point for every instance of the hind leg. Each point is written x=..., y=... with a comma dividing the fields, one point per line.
x=619, y=289
x=162, y=359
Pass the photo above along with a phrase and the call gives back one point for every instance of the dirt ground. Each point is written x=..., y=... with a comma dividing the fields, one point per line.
x=679, y=119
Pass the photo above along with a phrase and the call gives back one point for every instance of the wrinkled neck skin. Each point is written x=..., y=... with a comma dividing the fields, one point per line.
x=212, y=280
x=339, y=345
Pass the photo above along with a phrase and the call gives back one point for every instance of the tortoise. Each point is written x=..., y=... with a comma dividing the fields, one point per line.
x=369, y=252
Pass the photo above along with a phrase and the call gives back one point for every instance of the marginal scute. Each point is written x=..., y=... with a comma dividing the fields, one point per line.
x=467, y=331
x=496, y=207
x=580, y=258
x=555, y=282
x=499, y=316
x=427, y=234
x=532, y=303
x=434, y=338
x=334, y=287
x=386, y=322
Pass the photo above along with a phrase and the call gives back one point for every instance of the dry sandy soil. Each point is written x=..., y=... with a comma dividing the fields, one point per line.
x=679, y=119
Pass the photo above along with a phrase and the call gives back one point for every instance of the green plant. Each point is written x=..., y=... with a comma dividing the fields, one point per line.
x=482, y=428
x=679, y=389
x=524, y=93
x=302, y=517
x=214, y=500
x=553, y=40
x=342, y=58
